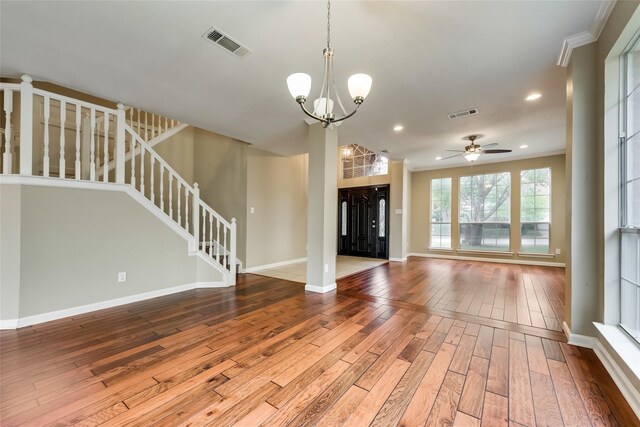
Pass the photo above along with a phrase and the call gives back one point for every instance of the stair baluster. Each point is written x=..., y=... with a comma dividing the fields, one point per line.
x=8, y=109
x=63, y=119
x=46, y=137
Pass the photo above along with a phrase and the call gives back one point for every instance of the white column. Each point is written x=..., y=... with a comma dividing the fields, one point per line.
x=26, y=126
x=582, y=290
x=322, y=210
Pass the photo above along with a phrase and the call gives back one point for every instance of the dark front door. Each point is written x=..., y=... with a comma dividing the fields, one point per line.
x=363, y=228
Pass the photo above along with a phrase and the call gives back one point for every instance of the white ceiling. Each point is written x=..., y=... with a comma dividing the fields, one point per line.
x=426, y=58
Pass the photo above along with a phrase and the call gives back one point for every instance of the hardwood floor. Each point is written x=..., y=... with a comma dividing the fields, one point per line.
x=525, y=295
x=389, y=348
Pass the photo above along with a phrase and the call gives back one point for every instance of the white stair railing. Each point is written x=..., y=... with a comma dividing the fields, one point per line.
x=93, y=138
x=149, y=125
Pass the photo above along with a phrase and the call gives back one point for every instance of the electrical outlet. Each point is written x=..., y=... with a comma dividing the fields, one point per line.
x=326, y=268
x=252, y=210
x=122, y=277
x=558, y=251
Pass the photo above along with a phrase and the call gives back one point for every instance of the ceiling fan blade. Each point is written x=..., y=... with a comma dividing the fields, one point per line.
x=496, y=151
x=489, y=145
x=450, y=157
x=456, y=151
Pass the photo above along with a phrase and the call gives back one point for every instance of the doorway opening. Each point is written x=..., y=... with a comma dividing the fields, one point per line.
x=363, y=221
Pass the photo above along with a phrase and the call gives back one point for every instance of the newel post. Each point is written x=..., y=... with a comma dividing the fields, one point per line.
x=233, y=262
x=195, y=212
x=120, y=145
x=26, y=126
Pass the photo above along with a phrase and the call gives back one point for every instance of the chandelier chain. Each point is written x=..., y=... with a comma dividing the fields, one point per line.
x=328, y=24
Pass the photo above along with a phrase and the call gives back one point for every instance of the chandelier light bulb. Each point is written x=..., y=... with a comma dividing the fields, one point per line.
x=319, y=107
x=299, y=85
x=359, y=86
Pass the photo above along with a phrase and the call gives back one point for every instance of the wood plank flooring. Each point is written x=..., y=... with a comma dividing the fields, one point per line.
x=268, y=353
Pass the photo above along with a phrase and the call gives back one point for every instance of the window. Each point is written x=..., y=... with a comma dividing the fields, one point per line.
x=358, y=161
x=382, y=221
x=485, y=211
x=441, y=213
x=630, y=195
x=343, y=214
x=535, y=211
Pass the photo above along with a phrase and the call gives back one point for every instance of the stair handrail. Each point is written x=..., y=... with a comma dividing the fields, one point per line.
x=198, y=217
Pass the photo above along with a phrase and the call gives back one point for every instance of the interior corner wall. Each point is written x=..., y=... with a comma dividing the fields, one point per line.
x=277, y=194
x=220, y=169
x=588, y=228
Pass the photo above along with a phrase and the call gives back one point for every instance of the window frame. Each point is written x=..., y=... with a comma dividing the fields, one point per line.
x=624, y=228
x=550, y=195
x=440, y=223
x=460, y=246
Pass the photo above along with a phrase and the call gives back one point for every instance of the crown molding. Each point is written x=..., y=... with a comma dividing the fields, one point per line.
x=586, y=37
x=606, y=7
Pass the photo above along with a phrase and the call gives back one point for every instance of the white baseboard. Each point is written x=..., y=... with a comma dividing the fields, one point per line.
x=621, y=380
x=398, y=259
x=274, y=265
x=320, y=289
x=201, y=285
x=577, y=339
x=75, y=311
x=500, y=261
x=9, y=324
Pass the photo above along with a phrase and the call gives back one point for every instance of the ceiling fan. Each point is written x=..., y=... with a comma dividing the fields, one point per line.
x=472, y=151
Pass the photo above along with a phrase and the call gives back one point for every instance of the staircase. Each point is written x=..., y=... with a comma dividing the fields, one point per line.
x=72, y=141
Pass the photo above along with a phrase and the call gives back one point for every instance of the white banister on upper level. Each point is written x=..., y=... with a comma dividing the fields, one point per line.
x=108, y=145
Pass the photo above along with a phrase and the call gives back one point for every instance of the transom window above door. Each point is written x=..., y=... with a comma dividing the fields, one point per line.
x=359, y=161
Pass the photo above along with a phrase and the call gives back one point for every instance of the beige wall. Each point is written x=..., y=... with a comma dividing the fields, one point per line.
x=73, y=243
x=178, y=151
x=421, y=196
x=277, y=192
x=10, y=226
x=220, y=169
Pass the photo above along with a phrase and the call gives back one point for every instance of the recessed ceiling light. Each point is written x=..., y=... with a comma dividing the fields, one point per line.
x=524, y=146
x=398, y=128
x=438, y=158
x=533, y=96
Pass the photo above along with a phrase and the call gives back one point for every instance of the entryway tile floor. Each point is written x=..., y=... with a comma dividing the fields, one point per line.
x=345, y=266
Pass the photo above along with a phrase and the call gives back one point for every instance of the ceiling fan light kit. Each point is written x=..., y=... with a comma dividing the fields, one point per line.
x=299, y=85
x=473, y=151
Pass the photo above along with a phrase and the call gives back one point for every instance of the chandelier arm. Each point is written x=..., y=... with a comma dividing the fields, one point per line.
x=313, y=116
x=333, y=79
x=347, y=116
x=324, y=79
x=328, y=62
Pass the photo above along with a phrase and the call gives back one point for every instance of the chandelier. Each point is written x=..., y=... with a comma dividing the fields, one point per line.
x=300, y=85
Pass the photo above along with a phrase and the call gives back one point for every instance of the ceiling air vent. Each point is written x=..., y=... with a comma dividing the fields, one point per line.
x=463, y=113
x=230, y=45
